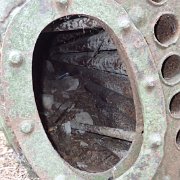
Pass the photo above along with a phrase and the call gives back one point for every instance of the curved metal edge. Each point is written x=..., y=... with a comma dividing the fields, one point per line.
x=23, y=37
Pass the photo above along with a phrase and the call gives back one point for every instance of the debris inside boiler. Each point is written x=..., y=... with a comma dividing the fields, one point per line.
x=85, y=101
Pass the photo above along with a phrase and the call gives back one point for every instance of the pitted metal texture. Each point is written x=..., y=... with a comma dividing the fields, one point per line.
x=145, y=37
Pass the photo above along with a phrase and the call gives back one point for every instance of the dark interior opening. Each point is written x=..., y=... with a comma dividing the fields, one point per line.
x=83, y=94
x=157, y=1
x=166, y=28
x=175, y=106
x=171, y=68
x=178, y=139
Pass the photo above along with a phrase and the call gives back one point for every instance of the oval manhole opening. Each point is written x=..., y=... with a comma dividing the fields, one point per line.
x=83, y=94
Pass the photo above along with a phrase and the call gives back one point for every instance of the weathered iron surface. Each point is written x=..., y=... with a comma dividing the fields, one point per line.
x=132, y=31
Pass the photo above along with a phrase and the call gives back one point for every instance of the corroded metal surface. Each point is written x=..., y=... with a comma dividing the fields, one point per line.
x=132, y=26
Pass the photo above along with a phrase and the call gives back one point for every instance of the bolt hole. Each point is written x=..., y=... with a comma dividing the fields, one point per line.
x=178, y=139
x=171, y=68
x=166, y=29
x=158, y=1
x=111, y=178
x=175, y=106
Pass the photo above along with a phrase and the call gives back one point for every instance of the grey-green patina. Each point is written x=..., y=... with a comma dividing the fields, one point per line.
x=19, y=98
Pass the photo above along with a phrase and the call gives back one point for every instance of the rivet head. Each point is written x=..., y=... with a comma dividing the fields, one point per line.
x=150, y=83
x=64, y=2
x=155, y=140
x=166, y=178
x=137, y=15
x=60, y=177
x=124, y=23
x=16, y=58
x=27, y=127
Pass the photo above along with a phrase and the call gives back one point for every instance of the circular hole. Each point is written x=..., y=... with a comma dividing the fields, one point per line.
x=157, y=1
x=111, y=178
x=171, y=68
x=83, y=93
x=175, y=106
x=166, y=29
x=178, y=139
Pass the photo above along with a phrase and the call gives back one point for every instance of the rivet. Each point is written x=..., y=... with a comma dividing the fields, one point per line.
x=15, y=58
x=150, y=83
x=60, y=177
x=63, y=1
x=27, y=127
x=155, y=140
x=124, y=23
x=137, y=15
x=166, y=178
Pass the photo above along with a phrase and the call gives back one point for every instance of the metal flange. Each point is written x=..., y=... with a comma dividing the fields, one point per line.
x=143, y=159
